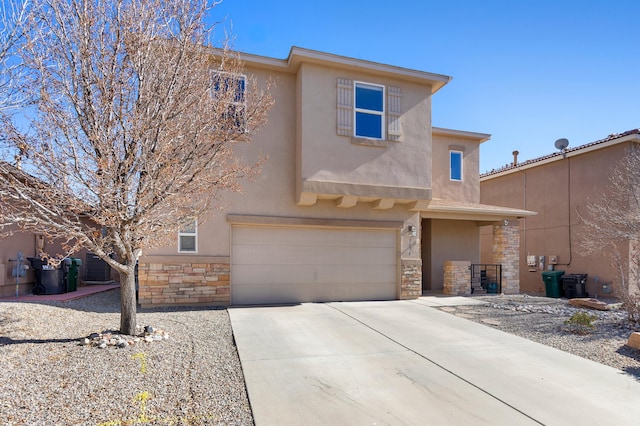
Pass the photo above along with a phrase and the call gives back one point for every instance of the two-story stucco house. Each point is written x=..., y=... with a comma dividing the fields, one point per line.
x=361, y=198
x=560, y=186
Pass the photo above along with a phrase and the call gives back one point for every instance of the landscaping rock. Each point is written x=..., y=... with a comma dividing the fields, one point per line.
x=634, y=340
x=589, y=303
x=109, y=338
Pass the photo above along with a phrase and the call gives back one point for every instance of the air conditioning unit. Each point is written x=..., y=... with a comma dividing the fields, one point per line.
x=96, y=269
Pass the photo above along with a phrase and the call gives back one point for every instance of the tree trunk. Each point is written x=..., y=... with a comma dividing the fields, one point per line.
x=128, y=301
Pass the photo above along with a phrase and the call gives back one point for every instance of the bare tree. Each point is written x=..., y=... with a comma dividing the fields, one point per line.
x=14, y=15
x=612, y=229
x=133, y=128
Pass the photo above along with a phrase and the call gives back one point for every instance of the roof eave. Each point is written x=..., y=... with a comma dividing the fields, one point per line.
x=583, y=149
x=480, y=137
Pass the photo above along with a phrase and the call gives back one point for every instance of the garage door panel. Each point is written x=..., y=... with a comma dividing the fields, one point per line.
x=284, y=255
x=303, y=264
x=318, y=237
x=319, y=292
x=300, y=274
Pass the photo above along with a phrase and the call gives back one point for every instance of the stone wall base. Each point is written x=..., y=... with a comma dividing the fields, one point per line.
x=183, y=283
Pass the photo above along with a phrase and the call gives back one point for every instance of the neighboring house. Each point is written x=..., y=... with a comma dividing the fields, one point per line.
x=360, y=198
x=15, y=241
x=557, y=186
x=9, y=248
x=30, y=245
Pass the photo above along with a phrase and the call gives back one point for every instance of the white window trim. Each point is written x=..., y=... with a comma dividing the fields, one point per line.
x=382, y=113
x=189, y=234
x=243, y=103
x=243, y=77
x=461, y=165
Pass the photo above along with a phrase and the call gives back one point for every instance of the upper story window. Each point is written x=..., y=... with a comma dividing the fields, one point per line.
x=455, y=165
x=188, y=238
x=369, y=110
x=231, y=88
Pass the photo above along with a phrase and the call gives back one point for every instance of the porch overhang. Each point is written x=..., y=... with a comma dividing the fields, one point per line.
x=458, y=210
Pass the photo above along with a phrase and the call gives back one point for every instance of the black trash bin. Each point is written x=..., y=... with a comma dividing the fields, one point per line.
x=574, y=285
x=49, y=280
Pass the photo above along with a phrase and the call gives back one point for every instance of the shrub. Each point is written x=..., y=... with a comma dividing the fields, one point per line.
x=581, y=322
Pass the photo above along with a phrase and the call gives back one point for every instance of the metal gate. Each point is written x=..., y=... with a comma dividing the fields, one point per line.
x=486, y=279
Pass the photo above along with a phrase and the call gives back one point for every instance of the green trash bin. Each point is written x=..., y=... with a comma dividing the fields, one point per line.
x=73, y=267
x=553, y=283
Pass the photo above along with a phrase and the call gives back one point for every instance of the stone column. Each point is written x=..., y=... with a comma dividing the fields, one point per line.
x=457, y=278
x=411, y=262
x=411, y=280
x=506, y=252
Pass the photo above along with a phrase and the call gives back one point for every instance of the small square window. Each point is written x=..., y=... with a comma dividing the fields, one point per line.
x=369, y=110
x=188, y=238
x=455, y=165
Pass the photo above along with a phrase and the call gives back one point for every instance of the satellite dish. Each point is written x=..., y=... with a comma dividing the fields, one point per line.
x=562, y=144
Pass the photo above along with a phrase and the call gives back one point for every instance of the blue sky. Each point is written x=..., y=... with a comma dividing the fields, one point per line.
x=526, y=72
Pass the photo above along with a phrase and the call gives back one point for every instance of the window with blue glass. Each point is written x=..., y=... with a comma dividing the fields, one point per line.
x=231, y=89
x=230, y=85
x=455, y=165
x=369, y=110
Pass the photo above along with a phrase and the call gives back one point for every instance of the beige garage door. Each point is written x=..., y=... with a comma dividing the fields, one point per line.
x=300, y=264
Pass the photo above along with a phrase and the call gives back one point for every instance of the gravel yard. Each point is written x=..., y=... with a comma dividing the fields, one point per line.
x=542, y=320
x=47, y=378
x=195, y=377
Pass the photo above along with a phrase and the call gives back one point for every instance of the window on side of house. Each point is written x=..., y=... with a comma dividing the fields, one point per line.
x=369, y=110
x=232, y=89
x=188, y=238
x=455, y=165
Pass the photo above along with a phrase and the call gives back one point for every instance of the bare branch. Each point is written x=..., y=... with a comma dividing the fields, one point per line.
x=132, y=131
x=14, y=16
x=612, y=228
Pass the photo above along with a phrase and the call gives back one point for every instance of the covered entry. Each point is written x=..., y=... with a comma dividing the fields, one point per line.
x=292, y=264
x=451, y=233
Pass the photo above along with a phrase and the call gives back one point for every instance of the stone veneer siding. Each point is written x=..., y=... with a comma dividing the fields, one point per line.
x=457, y=278
x=506, y=249
x=411, y=282
x=184, y=282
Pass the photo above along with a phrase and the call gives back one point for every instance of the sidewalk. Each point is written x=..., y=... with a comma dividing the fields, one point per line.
x=82, y=291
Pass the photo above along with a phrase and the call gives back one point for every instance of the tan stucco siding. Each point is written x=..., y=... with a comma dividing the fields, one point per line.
x=273, y=192
x=559, y=191
x=468, y=189
x=329, y=157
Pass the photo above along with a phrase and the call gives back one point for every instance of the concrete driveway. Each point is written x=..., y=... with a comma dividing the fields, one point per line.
x=403, y=362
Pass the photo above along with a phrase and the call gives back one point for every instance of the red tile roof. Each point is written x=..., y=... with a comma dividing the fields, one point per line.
x=556, y=154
